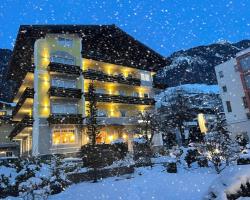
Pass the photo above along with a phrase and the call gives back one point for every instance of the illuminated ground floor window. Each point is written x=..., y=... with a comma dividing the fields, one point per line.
x=64, y=136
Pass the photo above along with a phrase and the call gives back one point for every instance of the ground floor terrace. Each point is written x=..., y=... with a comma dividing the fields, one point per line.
x=67, y=138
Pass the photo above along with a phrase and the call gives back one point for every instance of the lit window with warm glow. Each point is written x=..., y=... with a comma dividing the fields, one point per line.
x=63, y=136
x=2, y=113
x=202, y=123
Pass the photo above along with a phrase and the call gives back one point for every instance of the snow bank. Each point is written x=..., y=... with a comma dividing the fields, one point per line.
x=229, y=182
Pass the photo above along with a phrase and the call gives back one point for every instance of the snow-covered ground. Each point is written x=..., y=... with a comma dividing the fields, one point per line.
x=145, y=184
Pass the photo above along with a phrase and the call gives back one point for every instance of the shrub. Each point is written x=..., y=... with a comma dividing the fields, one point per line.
x=202, y=161
x=171, y=167
x=102, y=155
x=191, y=156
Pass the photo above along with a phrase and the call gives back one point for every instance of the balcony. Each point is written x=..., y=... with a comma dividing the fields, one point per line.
x=116, y=120
x=28, y=93
x=65, y=119
x=25, y=122
x=73, y=93
x=101, y=76
x=64, y=68
x=121, y=99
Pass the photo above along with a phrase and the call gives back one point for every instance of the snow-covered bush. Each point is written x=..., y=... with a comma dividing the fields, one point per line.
x=233, y=183
x=32, y=179
x=244, y=157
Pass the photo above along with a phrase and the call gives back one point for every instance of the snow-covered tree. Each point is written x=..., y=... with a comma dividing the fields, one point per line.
x=220, y=147
x=176, y=111
x=147, y=124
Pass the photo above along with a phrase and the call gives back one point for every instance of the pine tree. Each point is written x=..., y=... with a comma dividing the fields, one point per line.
x=92, y=123
x=220, y=147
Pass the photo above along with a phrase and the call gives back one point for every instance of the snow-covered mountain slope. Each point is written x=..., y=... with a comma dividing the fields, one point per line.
x=199, y=95
x=196, y=65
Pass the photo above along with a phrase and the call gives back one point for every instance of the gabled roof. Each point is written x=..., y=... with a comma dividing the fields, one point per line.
x=106, y=43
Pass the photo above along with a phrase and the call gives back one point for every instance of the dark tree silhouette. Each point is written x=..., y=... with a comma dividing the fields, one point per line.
x=92, y=123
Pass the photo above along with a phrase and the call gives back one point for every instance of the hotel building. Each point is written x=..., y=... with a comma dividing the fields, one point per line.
x=54, y=64
x=234, y=80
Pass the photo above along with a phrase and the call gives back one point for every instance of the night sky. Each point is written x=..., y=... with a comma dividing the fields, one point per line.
x=164, y=25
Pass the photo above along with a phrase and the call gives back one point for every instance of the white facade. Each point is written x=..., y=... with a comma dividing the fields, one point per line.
x=233, y=95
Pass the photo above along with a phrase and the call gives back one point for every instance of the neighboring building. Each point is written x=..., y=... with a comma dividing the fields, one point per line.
x=234, y=80
x=7, y=147
x=54, y=65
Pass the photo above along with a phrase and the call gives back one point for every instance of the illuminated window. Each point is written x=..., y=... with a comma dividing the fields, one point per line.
x=66, y=42
x=64, y=136
x=2, y=113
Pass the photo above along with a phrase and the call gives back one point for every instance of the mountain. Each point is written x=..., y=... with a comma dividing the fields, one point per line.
x=5, y=84
x=196, y=65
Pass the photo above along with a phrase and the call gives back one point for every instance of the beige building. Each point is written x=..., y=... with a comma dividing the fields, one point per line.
x=234, y=80
x=54, y=65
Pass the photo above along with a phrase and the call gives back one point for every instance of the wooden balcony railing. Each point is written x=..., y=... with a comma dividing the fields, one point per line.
x=28, y=93
x=27, y=121
x=121, y=99
x=101, y=76
x=64, y=68
x=73, y=93
x=65, y=119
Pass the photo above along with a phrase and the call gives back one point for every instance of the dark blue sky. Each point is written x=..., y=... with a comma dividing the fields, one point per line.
x=164, y=25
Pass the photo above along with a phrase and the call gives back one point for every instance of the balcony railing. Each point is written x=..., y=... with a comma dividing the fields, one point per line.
x=121, y=99
x=101, y=76
x=28, y=93
x=25, y=122
x=73, y=93
x=65, y=119
x=64, y=68
x=116, y=120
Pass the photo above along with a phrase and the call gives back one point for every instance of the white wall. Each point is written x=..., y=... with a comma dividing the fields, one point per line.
x=237, y=119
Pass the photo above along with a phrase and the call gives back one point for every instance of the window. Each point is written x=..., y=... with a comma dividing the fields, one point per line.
x=102, y=113
x=62, y=57
x=100, y=91
x=224, y=88
x=229, y=108
x=221, y=75
x=122, y=93
x=2, y=113
x=145, y=77
x=66, y=42
x=135, y=94
x=244, y=99
x=245, y=63
x=62, y=82
x=247, y=80
x=63, y=136
x=9, y=154
x=63, y=108
x=123, y=113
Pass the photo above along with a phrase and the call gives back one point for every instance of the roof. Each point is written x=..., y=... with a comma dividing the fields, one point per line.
x=106, y=43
